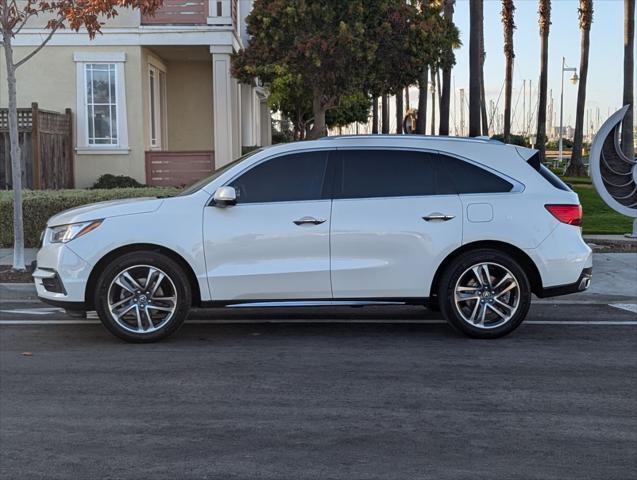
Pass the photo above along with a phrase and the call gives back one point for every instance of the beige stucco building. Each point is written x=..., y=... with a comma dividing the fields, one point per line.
x=152, y=98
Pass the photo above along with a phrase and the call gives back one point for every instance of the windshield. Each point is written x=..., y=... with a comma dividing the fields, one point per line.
x=199, y=184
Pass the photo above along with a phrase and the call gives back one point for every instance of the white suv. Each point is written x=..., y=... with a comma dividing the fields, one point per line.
x=468, y=226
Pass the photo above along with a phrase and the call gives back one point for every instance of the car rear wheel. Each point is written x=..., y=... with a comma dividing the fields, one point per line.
x=142, y=296
x=485, y=294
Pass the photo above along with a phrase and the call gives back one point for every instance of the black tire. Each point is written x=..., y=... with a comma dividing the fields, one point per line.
x=459, y=267
x=166, y=265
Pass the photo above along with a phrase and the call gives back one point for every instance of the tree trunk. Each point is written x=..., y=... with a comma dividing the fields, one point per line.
x=319, y=128
x=627, y=142
x=399, y=111
x=384, y=103
x=576, y=166
x=445, y=87
x=421, y=120
x=375, y=115
x=509, y=53
x=483, y=97
x=545, y=22
x=433, y=102
x=475, y=12
x=16, y=166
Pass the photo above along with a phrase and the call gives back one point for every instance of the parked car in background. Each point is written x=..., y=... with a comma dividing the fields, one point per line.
x=472, y=227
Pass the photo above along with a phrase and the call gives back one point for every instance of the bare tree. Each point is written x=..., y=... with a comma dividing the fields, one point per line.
x=576, y=166
x=14, y=15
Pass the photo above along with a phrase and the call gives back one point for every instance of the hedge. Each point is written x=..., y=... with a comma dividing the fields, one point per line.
x=40, y=205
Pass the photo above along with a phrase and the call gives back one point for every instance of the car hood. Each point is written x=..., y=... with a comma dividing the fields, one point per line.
x=111, y=208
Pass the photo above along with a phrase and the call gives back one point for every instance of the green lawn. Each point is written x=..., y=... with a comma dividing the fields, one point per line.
x=598, y=217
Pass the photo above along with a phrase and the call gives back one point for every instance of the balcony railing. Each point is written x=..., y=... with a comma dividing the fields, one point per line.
x=196, y=12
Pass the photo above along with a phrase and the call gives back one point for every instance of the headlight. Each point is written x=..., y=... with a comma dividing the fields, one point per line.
x=66, y=233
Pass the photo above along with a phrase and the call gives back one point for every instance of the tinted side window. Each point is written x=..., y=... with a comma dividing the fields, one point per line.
x=384, y=173
x=553, y=179
x=294, y=177
x=458, y=176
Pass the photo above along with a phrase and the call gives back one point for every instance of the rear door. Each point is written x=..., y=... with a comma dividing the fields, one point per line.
x=391, y=227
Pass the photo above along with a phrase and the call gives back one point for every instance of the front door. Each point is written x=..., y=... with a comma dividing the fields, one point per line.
x=274, y=243
x=391, y=224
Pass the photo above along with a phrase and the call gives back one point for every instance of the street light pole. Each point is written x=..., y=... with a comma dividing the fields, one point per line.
x=574, y=80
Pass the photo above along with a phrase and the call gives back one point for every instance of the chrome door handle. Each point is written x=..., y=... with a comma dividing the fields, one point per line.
x=309, y=220
x=438, y=216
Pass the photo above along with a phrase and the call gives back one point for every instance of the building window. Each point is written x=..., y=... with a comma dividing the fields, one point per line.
x=101, y=103
x=157, y=106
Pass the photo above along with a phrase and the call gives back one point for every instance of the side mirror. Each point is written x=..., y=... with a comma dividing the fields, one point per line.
x=225, y=196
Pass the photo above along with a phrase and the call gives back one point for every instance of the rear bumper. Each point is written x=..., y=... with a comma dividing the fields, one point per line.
x=580, y=285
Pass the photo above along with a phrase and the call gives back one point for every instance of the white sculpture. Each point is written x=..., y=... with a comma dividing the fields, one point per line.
x=614, y=174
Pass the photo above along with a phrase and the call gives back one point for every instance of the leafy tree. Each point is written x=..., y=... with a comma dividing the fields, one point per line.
x=288, y=96
x=335, y=49
x=14, y=15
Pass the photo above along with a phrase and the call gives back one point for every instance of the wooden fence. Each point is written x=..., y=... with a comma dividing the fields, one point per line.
x=177, y=169
x=174, y=12
x=46, y=141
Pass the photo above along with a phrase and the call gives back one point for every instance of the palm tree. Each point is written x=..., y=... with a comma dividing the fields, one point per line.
x=399, y=111
x=475, y=27
x=544, y=11
x=576, y=166
x=445, y=86
x=483, y=97
x=629, y=68
x=508, y=10
x=423, y=83
x=384, y=104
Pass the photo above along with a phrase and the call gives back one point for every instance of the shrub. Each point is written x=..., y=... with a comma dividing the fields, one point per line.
x=515, y=140
x=108, y=181
x=40, y=205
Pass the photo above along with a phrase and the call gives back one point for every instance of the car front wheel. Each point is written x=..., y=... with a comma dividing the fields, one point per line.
x=485, y=294
x=142, y=296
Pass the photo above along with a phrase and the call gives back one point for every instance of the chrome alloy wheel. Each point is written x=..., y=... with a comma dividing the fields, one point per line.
x=142, y=299
x=487, y=295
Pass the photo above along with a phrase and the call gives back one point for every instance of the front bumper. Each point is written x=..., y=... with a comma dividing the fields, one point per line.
x=61, y=276
x=580, y=285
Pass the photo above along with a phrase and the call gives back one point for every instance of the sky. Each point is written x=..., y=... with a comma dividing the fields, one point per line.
x=605, y=62
x=604, y=87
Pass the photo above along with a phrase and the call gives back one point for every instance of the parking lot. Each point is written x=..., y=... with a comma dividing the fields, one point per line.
x=347, y=393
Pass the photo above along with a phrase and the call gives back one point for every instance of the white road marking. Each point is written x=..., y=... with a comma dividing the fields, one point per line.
x=36, y=311
x=631, y=307
x=311, y=320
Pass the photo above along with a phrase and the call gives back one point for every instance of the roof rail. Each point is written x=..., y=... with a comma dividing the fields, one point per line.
x=481, y=139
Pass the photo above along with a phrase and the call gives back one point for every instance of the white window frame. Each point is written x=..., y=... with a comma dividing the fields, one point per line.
x=157, y=68
x=117, y=59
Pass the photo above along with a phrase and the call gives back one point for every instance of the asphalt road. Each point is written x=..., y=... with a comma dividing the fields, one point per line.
x=374, y=393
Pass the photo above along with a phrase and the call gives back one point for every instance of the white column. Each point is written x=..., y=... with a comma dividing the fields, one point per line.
x=266, y=124
x=223, y=106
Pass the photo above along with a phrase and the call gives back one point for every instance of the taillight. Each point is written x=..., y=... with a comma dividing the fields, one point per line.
x=569, y=214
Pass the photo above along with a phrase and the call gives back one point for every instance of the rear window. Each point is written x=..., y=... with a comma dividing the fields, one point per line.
x=458, y=176
x=553, y=179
